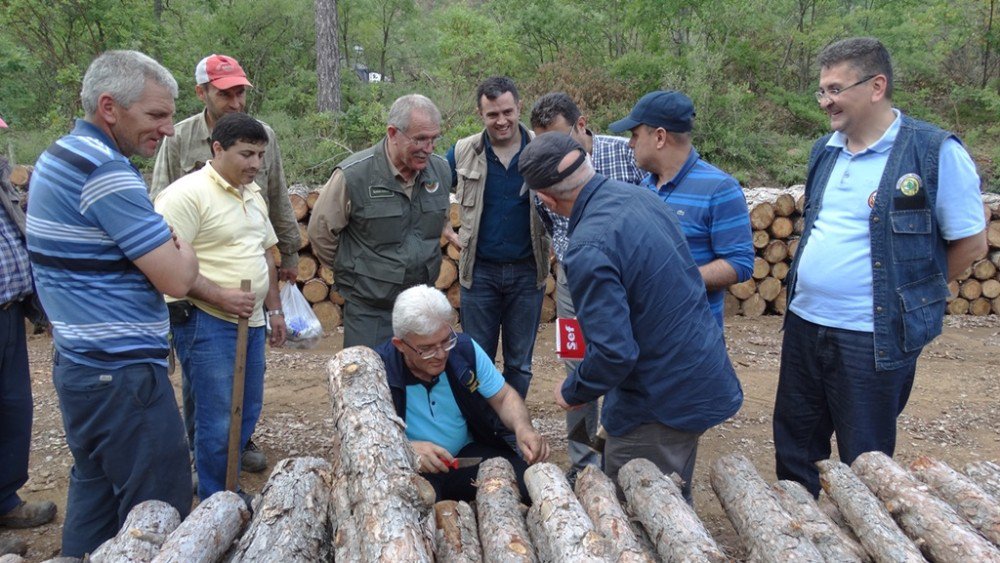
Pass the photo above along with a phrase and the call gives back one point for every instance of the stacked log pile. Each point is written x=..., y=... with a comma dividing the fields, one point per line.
x=777, y=223
x=370, y=504
x=316, y=281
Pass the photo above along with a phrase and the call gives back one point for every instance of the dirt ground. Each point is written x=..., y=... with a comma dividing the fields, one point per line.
x=953, y=414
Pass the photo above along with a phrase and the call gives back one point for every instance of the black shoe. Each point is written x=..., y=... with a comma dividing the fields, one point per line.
x=29, y=515
x=252, y=459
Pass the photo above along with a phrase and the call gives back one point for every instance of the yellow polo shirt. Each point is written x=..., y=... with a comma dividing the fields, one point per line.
x=229, y=230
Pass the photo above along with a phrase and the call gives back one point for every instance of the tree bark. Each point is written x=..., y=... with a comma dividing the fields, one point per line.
x=600, y=500
x=829, y=539
x=939, y=530
x=327, y=57
x=389, y=500
x=456, y=533
x=567, y=532
x=502, y=530
x=448, y=275
x=765, y=529
x=673, y=526
x=292, y=521
x=208, y=532
x=299, y=206
x=871, y=522
x=974, y=504
x=141, y=536
x=328, y=313
x=986, y=474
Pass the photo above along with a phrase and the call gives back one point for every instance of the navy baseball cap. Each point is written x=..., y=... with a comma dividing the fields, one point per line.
x=670, y=109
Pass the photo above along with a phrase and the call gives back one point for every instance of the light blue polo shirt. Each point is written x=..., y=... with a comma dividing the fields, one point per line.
x=432, y=414
x=834, y=279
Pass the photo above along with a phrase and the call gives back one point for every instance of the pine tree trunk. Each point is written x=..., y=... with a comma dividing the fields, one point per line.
x=503, y=533
x=208, y=532
x=974, y=504
x=986, y=474
x=599, y=499
x=829, y=539
x=456, y=533
x=327, y=57
x=565, y=530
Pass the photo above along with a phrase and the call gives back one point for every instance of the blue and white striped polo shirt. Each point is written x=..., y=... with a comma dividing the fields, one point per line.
x=89, y=217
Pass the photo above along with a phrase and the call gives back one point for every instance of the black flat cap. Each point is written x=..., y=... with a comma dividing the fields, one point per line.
x=539, y=161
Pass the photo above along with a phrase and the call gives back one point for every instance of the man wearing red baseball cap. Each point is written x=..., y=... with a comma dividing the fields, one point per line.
x=222, y=84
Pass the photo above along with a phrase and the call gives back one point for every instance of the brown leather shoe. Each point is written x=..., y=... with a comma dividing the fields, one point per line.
x=29, y=515
x=13, y=545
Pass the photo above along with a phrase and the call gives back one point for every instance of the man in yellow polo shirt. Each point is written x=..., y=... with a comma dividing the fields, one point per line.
x=220, y=210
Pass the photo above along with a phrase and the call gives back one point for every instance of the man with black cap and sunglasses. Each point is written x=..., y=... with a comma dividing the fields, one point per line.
x=653, y=349
x=708, y=203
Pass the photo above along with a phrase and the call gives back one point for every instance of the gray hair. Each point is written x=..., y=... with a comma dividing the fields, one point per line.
x=123, y=75
x=579, y=177
x=404, y=106
x=866, y=55
x=420, y=310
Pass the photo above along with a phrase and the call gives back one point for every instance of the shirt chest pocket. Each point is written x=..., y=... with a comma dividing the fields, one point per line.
x=381, y=221
x=911, y=235
x=433, y=214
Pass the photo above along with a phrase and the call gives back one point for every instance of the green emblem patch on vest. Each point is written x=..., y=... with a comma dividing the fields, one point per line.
x=908, y=184
x=376, y=192
x=473, y=384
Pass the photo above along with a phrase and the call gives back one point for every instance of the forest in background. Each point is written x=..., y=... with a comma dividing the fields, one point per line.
x=749, y=66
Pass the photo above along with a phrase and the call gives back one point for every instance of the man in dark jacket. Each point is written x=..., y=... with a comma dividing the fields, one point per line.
x=455, y=403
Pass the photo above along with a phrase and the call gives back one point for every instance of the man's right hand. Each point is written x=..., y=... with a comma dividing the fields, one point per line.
x=237, y=302
x=431, y=457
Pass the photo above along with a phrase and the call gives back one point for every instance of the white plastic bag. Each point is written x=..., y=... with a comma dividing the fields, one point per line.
x=304, y=330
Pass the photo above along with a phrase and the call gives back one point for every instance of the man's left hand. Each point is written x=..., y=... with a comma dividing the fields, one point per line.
x=288, y=274
x=278, y=331
x=534, y=447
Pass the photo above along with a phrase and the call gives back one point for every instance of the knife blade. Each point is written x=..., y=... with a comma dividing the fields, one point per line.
x=459, y=462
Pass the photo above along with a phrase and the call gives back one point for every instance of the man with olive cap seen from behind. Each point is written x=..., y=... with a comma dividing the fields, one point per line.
x=660, y=362
x=708, y=203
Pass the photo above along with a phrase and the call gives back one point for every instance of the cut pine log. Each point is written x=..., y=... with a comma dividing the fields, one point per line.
x=142, y=534
x=793, y=247
x=303, y=235
x=335, y=297
x=829, y=539
x=292, y=521
x=456, y=534
x=769, y=287
x=315, y=290
x=208, y=532
x=776, y=251
x=984, y=270
x=389, y=500
x=550, y=284
x=753, y=306
x=760, y=239
x=20, y=176
x=453, y=252
x=564, y=528
x=970, y=289
x=672, y=524
x=942, y=534
x=448, y=275
x=311, y=198
x=980, y=307
x=307, y=266
x=952, y=289
x=326, y=274
x=761, y=268
x=455, y=216
x=503, y=533
x=299, y=206
x=991, y=289
x=993, y=234
x=986, y=474
x=599, y=499
x=548, y=309
x=766, y=531
x=743, y=290
x=781, y=228
x=974, y=504
x=454, y=295
x=780, y=303
x=784, y=205
x=761, y=216
x=730, y=305
x=871, y=522
x=958, y=306
x=779, y=271
x=329, y=315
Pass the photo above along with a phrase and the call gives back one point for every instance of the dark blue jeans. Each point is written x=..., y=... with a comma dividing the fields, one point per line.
x=206, y=348
x=828, y=384
x=128, y=446
x=15, y=407
x=504, y=296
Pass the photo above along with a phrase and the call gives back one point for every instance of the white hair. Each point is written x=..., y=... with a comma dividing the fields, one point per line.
x=123, y=75
x=402, y=110
x=420, y=310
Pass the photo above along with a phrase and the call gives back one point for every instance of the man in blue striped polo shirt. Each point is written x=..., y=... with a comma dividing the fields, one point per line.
x=709, y=203
x=102, y=259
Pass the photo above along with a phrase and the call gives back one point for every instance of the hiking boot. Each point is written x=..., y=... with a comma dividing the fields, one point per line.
x=252, y=459
x=14, y=546
x=29, y=515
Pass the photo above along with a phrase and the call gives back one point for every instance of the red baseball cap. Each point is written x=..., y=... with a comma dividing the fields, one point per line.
x=3, y=124
x=221, y=71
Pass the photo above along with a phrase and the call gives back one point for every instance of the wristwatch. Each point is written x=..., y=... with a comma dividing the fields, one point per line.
x=275, y=313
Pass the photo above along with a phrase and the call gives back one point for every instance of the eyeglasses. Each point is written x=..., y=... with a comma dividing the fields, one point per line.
x=822, y=94
x=421, y=141
x=428, y=352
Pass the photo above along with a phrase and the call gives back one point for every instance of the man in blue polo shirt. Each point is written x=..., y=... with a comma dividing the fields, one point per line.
x=653, y=349
x=708, y=203
x=102, y=260
x=454, y=401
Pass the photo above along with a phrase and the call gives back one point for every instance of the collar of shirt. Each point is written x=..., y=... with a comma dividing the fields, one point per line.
x=85, y=128
x=201, y=130
x=247, y=191
x=839, y=140
x=489, y=145
x=651, y=179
